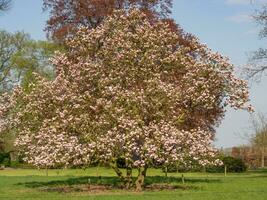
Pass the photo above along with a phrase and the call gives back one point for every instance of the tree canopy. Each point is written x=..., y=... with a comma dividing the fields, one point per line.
x=259, y=136
x=66, y=16
x=20, y=56
x=126, y=89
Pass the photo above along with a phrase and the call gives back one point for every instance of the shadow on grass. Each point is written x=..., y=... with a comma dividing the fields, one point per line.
x=160, y=179
x=259, y=171
x=259, y=175
x=114, y=182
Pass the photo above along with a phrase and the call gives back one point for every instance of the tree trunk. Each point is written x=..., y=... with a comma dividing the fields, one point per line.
x=46, y=171
x=183, y=181
x=262, y=157
x=139, y=183
x=128, y=179
x=117, y=171
x=166, y=171
x=145, y=170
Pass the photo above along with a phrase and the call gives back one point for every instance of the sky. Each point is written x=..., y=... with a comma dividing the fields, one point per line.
x=225, y=26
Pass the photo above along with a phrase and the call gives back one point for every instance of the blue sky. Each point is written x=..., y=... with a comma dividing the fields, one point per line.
x=224, y=25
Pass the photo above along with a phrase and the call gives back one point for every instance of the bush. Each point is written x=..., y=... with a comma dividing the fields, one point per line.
x=6, y=162
x=5, y=159
x=182, y=169
x=232, y=164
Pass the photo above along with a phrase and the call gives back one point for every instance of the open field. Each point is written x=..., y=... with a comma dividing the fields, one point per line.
x=69, y=184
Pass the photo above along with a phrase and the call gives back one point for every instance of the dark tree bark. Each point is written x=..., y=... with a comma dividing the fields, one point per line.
x=140, y=181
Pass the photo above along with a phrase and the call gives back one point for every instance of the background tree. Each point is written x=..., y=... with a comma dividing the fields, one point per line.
x=20, y=56
x=259, y=138
x=10, y=45
x=258, y=60
x=66, y=16
x=5, y=5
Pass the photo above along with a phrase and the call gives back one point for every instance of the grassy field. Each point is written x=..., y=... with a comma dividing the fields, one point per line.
x=67, y=184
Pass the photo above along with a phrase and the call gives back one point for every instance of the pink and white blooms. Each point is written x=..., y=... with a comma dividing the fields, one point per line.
x=126, y=89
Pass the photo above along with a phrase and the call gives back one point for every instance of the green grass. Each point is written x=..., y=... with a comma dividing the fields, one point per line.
x=34, y=184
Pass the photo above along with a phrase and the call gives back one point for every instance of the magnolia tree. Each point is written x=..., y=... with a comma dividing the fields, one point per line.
x=126, y=89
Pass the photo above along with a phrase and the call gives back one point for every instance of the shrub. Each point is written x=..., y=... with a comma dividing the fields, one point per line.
x=232, y=164
x=5, y=159
x=181, y=169
x=6, y=162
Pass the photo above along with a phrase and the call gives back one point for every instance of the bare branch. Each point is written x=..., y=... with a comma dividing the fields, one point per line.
x=257, y=64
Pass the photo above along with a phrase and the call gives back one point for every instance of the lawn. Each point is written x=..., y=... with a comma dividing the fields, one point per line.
x=68, y=184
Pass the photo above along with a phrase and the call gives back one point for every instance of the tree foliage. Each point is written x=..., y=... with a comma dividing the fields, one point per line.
x=11, y=44
x=20, y=56
x=234, y=165
x=126, y=89
x=66, y=16
x=259, y=137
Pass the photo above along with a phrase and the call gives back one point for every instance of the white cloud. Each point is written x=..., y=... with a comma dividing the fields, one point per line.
x=241, y=18
x=254, y=31
x=238, y=2
x=245, y=2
